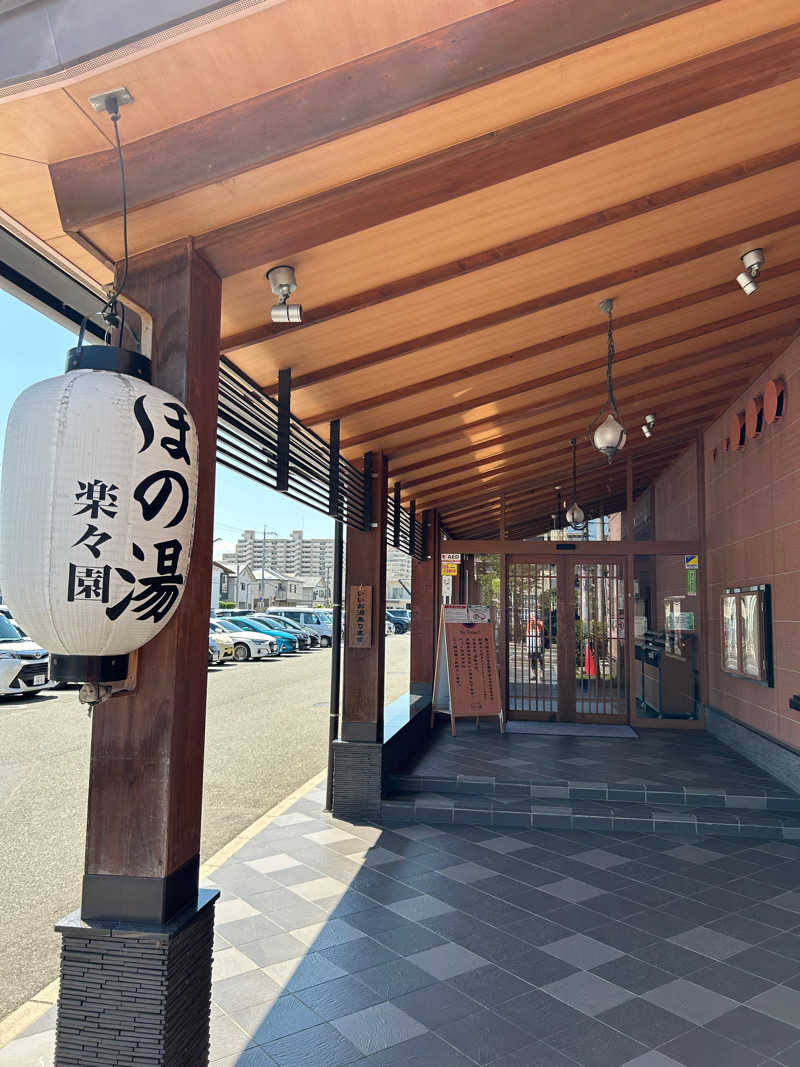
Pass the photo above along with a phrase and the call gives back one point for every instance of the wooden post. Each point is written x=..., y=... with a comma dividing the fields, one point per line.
x=362, y=706
x=628, y=532
x=146, y=776
x=426, y=588
x=503, y=621
x=140, y=950
x=566, y=639
x=703, y=612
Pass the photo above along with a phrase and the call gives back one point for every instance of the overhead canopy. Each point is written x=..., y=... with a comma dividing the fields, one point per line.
x=458, y=185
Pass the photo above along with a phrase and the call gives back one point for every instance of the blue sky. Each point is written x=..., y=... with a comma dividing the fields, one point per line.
x=32, y=347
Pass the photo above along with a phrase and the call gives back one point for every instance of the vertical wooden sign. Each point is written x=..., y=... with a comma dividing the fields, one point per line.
x=359, y=617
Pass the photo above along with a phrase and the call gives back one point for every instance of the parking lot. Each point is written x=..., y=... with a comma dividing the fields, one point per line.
x=266, y=734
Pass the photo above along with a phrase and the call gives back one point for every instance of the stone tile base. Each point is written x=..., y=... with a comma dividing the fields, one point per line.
x=136, y=995
x=357, y=780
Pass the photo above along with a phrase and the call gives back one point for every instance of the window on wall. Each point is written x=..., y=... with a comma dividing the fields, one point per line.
x=746, y=622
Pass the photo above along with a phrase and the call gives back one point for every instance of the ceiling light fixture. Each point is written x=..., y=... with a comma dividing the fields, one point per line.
x=753, y=262
x=608, y=434
x=283, y=284
x=575, y=517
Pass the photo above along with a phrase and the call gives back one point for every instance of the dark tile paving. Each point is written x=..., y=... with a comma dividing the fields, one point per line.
x=467, y=945
x=672, y=766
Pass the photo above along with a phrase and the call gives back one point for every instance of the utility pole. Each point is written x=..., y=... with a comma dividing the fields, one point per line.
x=272, y=533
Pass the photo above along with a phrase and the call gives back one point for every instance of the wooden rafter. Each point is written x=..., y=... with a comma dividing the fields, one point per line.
x=479, y=163
x=253, y=133
x=622, y=357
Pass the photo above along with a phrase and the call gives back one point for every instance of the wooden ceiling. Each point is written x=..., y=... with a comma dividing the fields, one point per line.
x=457, y=184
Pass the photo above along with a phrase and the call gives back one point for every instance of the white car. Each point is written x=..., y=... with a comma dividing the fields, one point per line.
x=247, y=644
x=24, y=665
x=389, y=627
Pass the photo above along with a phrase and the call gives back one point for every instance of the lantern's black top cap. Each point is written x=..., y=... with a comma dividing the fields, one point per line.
x=107, y=357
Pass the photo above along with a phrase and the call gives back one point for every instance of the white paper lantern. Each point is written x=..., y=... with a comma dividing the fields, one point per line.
x=97, y=506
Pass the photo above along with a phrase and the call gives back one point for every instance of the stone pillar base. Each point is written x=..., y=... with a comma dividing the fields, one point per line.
x=136, y=994
x=357, y=770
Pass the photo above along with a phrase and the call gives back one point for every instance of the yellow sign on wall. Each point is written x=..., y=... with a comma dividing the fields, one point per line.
x=449, y=569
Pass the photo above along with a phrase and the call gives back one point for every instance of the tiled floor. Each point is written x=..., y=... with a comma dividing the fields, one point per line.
x=671, y=758
x=425, y=946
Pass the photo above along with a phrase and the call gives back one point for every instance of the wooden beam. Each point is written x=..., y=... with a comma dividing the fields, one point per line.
x=425, y=442
x=658, y=99
x=372, y=89
x=543, y=457
x=660, y=395
x=146, y=771
x=482, y=491
x=599, y=481
x=582, y=548
x=502, y=362
x=562, y=375
x=520, y=246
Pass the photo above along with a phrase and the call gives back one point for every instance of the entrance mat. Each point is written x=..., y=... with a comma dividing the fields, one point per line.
x=570, y=729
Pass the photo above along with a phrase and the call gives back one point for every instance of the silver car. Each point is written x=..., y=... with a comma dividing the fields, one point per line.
x=317, y=622
x=24, y=665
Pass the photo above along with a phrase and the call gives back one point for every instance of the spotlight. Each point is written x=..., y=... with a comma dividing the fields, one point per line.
x=753, y=262
x=283, y=284
x=649, y=423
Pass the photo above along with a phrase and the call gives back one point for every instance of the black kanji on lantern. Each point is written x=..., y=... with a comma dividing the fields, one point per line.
x=96, y=496
x=152, y=505
x=93, y=538
x=176, y=446
x=158, y=593
x=88, y=583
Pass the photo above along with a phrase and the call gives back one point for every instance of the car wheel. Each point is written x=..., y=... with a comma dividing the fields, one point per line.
x=241, y=653
x=325, y=642
x=30, y=696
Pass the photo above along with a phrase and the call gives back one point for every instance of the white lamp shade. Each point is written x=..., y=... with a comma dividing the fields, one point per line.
x=97, y=506
x=609, y=437
x=574, y=515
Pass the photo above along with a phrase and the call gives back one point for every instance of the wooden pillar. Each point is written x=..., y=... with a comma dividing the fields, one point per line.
x=362, y=703
x=146, y=774
x=703, y=589
x=426, y=599
x=139, y=952
x=566, y=639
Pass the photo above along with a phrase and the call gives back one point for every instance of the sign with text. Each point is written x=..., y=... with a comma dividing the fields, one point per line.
x=466, y=682
x=449, y=569
x=451, y=557
x=359, y=614
x=691, y=562
x=691, y=582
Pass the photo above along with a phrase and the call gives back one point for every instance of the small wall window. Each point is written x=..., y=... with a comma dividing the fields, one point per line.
x=746, y=620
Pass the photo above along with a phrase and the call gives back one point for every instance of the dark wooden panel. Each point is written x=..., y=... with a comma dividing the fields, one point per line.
x=365, y=564
x=565, y=605
x=658, y=99
x=377, y=87
x=595, y=329
x=145, y=789
x=551, y=235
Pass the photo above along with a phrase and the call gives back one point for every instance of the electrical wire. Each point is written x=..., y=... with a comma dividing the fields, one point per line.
x=609, y=376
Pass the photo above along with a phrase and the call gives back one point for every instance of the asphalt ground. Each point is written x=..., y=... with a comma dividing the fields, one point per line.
x=266, y=734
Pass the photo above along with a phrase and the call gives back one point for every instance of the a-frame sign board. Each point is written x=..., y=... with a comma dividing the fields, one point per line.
x=466, y=681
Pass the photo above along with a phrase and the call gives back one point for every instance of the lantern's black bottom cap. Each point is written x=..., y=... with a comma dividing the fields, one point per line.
x=99, y=670
x=108, y=357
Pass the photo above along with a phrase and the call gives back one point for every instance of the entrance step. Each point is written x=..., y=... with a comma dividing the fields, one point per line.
x=776, y=800
x=606, y=816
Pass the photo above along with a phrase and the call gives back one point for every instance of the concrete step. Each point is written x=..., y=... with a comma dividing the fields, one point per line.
x=605, y=816
x=777, y=801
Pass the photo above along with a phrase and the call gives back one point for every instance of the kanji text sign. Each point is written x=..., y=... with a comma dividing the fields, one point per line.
x=467, y=681
x=359, y=613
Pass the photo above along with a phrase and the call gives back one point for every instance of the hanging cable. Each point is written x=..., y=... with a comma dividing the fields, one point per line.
x=609, y=374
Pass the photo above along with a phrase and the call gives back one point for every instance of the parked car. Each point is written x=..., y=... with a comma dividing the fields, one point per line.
x=213, y=652
x=232, y=613
x=286, y=642
x=224, y=643
x=389, y=626
x=305, y=638
x=246, y=643
x=24, y=665
x=401, y=624
x=317, y=622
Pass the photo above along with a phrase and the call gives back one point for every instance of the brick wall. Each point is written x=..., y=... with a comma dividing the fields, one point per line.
x=753, y=536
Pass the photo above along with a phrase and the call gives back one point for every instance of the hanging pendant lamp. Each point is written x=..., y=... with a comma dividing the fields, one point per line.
x=608, y=434
x=574, y=516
